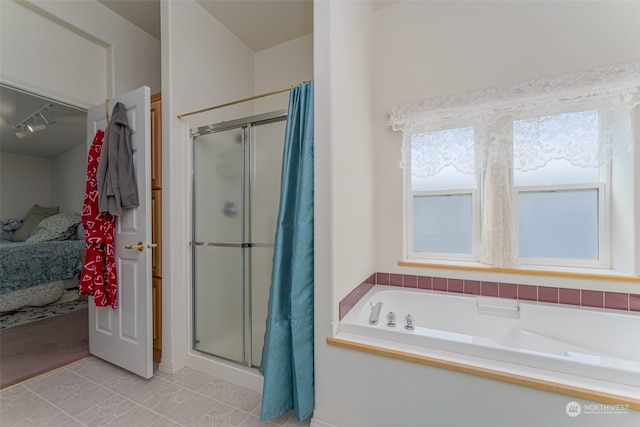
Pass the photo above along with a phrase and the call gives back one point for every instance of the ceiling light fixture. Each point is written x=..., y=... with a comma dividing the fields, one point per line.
x=34, y=123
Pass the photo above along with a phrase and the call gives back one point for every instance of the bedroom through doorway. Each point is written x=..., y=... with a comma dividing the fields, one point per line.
x=42, y=177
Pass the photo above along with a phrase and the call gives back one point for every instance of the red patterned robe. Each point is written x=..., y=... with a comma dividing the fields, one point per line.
x=98, y=276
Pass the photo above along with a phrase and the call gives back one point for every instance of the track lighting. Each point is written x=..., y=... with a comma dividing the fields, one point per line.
x=34, y=123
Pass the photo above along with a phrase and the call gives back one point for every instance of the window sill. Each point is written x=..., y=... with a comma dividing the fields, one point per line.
x=573, y=273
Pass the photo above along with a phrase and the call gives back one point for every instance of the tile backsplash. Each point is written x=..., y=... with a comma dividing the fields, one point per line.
x=579, y=297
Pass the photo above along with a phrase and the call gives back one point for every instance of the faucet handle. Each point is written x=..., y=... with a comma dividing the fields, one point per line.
x=409, y=323
x=391, y=319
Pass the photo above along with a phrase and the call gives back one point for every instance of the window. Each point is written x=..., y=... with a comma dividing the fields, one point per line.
x=443, y=193
x=560, y=188
x=522, y=175
x=561, y=224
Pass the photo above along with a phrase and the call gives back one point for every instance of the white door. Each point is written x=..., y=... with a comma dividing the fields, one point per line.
x=124, y=336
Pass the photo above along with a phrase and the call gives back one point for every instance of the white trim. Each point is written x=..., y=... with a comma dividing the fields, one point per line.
x=245, y=377
x=317, y=423
x=29, y=88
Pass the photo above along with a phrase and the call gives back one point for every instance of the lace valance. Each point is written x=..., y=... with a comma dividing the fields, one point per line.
x=616, y=84
x=612, y=90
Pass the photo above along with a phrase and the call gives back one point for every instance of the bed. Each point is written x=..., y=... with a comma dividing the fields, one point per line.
x=33, y=273
x=36, y=271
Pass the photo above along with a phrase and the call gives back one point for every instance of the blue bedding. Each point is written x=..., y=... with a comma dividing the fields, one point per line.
x=27, y=264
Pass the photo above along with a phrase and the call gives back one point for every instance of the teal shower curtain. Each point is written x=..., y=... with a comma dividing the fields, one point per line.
x=287, y=355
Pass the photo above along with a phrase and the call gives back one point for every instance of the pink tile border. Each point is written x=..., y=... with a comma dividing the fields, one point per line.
x=489, y=289
x=383, y=279
x=396, y=279
x=425, y=282
x=616, y=300
x=508, y=290
x=528, y=292
x=455, y=285
x=472, y=287
x=410, y=281
x=592, y=298
x=548, y=294
x=567, y=296
x=439, y=284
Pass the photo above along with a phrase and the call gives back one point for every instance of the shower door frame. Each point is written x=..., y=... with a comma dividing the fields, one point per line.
x=249, y=123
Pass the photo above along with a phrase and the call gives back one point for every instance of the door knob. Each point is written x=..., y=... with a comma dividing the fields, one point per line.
x=139, y=246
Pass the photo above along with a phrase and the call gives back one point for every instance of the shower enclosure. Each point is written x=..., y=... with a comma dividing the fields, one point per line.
x=236, y=192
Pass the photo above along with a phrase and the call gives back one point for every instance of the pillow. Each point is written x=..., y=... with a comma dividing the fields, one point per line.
x=56, y=227
x=80, y=232
x=11, y=224
x=33, y=218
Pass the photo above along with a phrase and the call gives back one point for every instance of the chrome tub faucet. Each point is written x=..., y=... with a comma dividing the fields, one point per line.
x=374, y=317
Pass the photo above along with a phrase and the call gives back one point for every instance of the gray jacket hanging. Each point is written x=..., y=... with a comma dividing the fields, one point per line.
x=117, y=187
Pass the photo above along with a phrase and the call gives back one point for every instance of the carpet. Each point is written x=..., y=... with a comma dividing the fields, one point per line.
x=31, y=314
x=41, y=346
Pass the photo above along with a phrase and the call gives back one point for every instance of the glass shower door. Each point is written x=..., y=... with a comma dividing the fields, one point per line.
x=267, y=142
x=236, y=196
x=218, y=234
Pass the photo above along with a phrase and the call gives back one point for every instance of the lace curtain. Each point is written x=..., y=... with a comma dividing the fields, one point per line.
x=432, y=152
x=584, y=118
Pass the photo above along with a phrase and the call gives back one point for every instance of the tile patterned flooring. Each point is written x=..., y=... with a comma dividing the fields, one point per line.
x=91, y=392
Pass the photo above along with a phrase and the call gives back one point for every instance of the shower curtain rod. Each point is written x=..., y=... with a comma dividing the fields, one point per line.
x=251, y=98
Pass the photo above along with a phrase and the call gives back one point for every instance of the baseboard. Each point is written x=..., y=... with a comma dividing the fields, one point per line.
x=317, y=423
x=171, y=368
x=227, y=371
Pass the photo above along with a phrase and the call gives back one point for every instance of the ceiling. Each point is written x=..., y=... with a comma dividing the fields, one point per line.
x=68, y=131
x=260, y=24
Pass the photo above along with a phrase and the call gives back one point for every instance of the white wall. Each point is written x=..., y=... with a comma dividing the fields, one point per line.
x=346, y=91
x=344, y=177
x=281, y=66
x=68, y=177
x=24, y=182
x=427, y=49
x=80, y=51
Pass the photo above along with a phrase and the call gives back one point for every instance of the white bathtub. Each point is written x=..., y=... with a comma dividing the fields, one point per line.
x=590, y=348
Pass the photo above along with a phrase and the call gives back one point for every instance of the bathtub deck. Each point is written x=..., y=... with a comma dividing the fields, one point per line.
x=538, y=379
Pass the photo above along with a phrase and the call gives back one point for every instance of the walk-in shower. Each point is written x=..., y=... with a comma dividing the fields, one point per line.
x=235, y=193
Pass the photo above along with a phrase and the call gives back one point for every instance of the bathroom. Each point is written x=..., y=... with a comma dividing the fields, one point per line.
x=364, y=59
x=408, y=52
x=367, y=59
